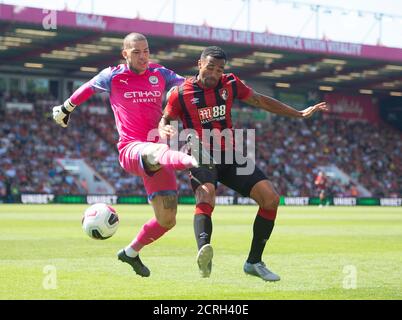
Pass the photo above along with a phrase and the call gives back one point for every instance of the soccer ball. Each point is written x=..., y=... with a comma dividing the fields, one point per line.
x=100, y=221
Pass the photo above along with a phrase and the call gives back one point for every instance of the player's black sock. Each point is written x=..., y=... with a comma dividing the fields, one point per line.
x=202, y=229
x=262, y=230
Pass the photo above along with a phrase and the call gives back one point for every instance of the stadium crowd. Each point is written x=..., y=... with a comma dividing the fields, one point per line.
x=289, y=150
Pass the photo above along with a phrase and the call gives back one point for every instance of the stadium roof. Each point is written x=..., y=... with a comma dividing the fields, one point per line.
x=77, y=45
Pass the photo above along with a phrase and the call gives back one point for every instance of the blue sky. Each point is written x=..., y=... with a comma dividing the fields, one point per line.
x=341, y=20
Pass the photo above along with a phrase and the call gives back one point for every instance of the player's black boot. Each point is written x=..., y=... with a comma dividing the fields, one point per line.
x=136, y=263
x=197, y=150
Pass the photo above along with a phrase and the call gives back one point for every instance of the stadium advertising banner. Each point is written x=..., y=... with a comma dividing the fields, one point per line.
x=220, y=200
x=353, y=107
x=77, y=20
x=191, y=32
x=263, y=39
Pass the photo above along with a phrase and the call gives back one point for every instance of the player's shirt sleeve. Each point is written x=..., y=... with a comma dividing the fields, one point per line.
x=102, y=81
x=82, y=94
x=243, y=91
x=173, y=109
x=172, y=79
x=99, y=83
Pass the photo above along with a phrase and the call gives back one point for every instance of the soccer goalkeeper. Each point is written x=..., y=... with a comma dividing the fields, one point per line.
x=135, y=92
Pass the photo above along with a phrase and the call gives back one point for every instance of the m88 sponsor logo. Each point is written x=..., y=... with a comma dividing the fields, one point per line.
x=209, y=114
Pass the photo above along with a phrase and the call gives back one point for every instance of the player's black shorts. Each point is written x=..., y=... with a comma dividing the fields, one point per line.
x=228, y=175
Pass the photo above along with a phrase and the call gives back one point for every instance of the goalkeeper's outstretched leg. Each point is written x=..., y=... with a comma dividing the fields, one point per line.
x=156, y=164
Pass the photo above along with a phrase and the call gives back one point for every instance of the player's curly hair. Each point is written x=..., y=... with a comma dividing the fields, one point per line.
x=214, y=52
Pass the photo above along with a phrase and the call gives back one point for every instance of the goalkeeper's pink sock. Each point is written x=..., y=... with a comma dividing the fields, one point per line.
x=150, y=232
x=176, y=160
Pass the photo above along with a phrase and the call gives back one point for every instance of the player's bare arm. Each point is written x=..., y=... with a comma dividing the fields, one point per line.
x=308, y=112
x=272, y=105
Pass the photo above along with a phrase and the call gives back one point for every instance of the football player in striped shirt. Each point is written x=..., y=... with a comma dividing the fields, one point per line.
x=203, y=103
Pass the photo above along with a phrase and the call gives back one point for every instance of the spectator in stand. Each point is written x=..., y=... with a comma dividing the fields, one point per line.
x=321, y=183
x=353, y=191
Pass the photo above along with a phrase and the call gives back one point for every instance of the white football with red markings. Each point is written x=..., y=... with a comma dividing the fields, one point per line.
x=100, y=221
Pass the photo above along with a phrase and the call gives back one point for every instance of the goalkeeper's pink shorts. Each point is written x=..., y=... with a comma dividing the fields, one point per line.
x=161, y=182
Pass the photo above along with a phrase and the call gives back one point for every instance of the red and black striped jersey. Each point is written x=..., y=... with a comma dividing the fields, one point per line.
x=320, y=182
x=207, y=109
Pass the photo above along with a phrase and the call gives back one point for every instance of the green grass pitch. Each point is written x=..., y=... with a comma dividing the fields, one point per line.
x=328, y=253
